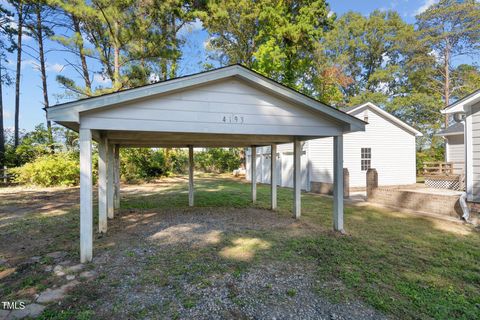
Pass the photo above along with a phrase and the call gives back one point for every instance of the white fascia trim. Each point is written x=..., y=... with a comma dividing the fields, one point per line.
x=388, y=116
x=449, y=134
x=461, y=105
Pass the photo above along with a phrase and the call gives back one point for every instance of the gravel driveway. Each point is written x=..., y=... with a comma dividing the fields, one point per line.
x=203, y=263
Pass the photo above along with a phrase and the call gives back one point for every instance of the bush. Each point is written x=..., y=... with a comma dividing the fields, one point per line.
x=60, y=169
x=218, y=159
x=146, y=163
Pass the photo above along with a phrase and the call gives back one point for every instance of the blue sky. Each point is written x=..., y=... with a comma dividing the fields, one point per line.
x=32, y=114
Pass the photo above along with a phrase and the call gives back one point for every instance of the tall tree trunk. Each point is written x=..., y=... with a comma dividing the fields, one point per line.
x=2, y=138
x=19, y=66
x=174, y=64
x=447, y=80
x=116, y=67
x=43, y=72
x=83, y=60
x=116, y=59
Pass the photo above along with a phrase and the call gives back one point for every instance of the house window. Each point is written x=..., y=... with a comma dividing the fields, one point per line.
x=366, y=158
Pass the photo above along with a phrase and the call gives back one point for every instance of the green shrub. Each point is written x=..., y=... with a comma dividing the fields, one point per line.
x=60, y=169
x=146, y=163
x=218, y=159
x=141, y=163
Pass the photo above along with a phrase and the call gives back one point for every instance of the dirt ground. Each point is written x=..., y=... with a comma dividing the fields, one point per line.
x=160, y=259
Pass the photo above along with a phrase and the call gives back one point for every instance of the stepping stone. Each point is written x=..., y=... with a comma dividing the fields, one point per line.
x=56, y=254
x=58, y=270
x=100, y=259
x=50, y=295
x=35, y=259
x=65, y=262
x=75, y=268
x=88, y=274
x=32, y=311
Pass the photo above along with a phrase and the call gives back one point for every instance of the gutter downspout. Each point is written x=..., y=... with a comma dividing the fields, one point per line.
x=464, y=206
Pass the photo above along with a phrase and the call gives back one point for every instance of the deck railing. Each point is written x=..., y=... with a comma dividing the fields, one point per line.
x=438, y=168
x=444, y=175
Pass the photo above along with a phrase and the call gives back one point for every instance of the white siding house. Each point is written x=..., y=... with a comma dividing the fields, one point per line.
x=387, y=144
x=470, y=108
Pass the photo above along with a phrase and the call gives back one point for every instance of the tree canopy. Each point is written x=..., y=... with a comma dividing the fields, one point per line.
x=411, y=70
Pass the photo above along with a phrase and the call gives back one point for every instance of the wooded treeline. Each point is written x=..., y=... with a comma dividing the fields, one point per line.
x=411, y=70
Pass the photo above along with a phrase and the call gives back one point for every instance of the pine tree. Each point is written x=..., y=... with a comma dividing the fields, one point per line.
x=6, y=45
x=451, y=29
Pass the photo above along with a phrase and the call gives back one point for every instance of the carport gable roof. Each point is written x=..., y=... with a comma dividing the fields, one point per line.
x=70, y=112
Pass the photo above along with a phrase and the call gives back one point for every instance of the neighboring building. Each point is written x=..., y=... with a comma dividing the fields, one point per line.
x=454, y=146
x=468, y=109
x=387, y=144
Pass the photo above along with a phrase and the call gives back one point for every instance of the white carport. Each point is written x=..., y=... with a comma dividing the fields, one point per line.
x=227, y=107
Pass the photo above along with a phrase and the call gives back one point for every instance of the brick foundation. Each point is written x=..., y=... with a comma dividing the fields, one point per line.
x=419, y=201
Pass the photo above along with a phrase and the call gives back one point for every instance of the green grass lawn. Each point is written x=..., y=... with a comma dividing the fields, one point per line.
x=406, y=266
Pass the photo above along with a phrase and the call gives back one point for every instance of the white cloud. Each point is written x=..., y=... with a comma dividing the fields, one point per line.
x=425, y=6
x=101, y=79
x=14, y=25
x=191, y=27
x=7, y=115
x=196, y=25
x=56, y=67
x=30, y=63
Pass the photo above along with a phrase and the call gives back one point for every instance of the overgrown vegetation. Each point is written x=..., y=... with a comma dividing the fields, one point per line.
x=406, y=266
x=38, y=162
x=59, y=169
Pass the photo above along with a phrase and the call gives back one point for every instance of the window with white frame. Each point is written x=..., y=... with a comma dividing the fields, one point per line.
x=366, y=158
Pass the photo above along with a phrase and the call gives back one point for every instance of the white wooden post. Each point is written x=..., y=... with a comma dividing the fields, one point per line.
x=338, y=183
x=116, y=178
x=86, y=202
x=297, y=178
x=110, y=178
x=190, y=177
x=102, y=185
x=253, y=170
x=273, y=175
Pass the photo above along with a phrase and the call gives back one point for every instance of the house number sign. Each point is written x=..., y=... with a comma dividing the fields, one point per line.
x=233, y=119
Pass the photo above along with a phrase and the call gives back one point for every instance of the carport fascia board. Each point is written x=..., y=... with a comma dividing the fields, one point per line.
x=70, y=112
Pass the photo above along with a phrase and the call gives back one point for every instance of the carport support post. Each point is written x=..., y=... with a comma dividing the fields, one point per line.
x=190, y=176
x=297, y=174
x=102, y=184
x=86, y=203
x=273, y=175
x=116, y=173
x=338, y=183
x=110, y=178
x=253, y=166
